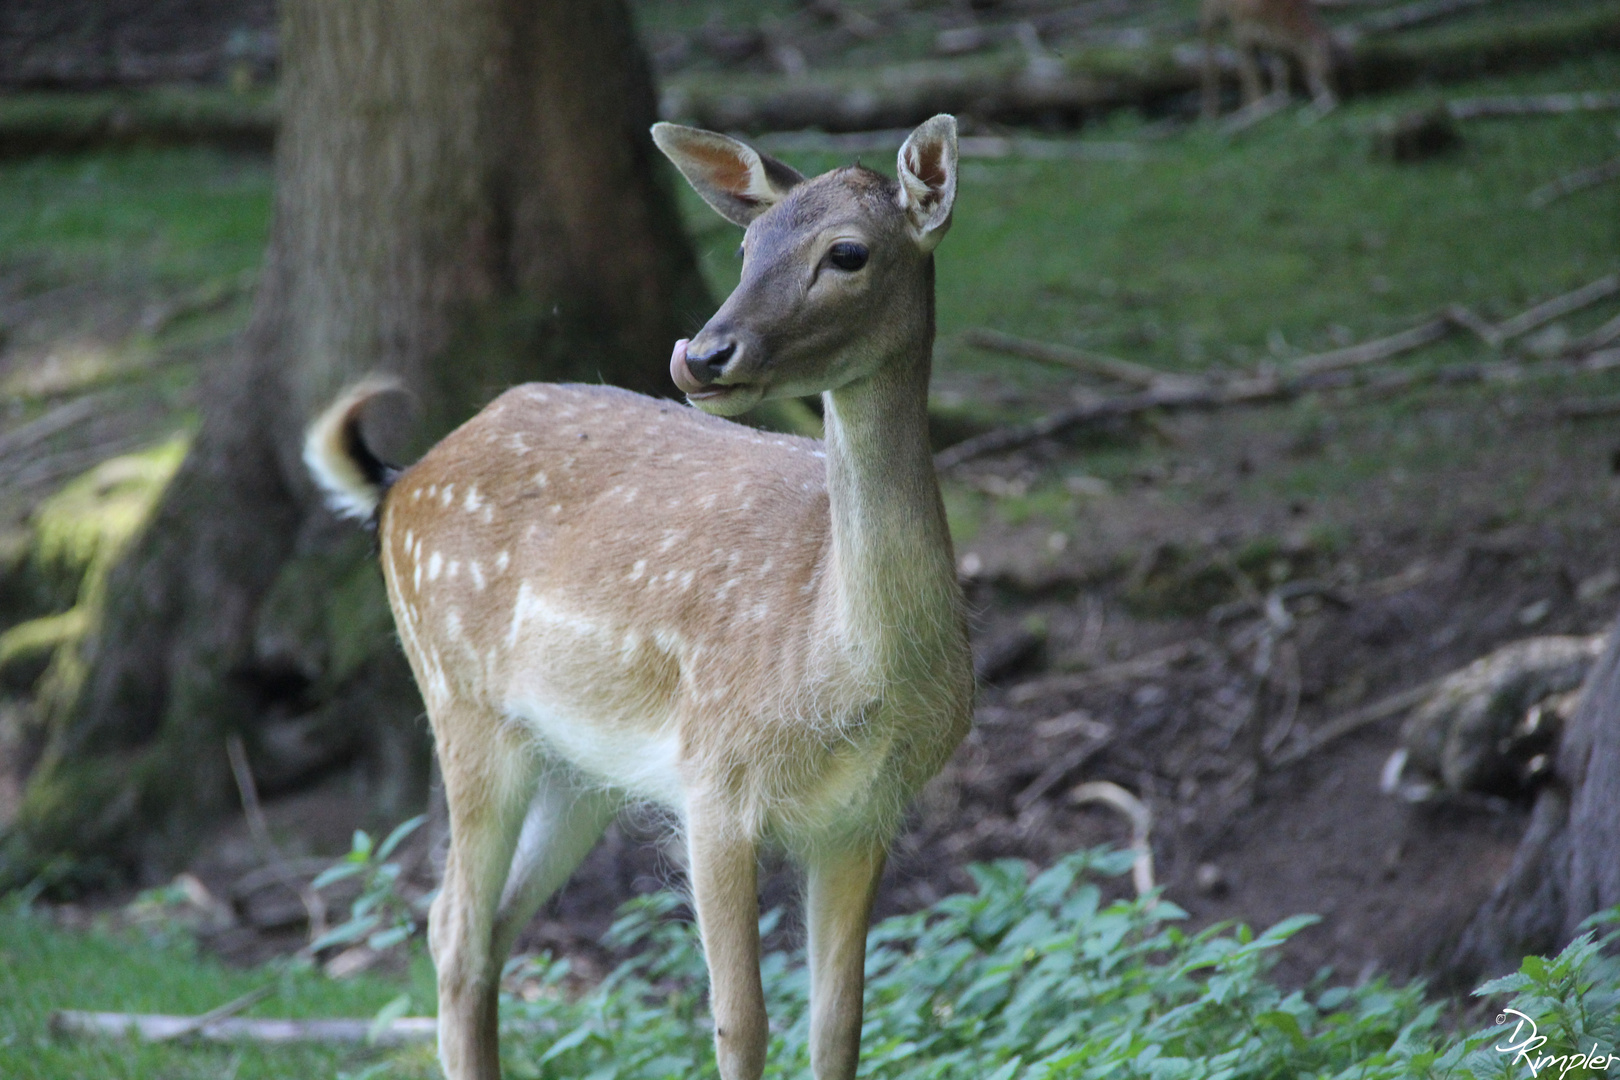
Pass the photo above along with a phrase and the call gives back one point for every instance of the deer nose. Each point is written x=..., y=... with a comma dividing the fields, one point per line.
x=706, y=367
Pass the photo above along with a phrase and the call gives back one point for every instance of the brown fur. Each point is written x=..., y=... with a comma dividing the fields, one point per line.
x=1278, y=28
x=605, y=597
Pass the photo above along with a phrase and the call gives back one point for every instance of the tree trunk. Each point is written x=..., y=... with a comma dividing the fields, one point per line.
x=1568, y=863
x=466, y=197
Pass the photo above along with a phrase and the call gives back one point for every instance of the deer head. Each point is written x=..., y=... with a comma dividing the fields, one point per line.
x=837, y=275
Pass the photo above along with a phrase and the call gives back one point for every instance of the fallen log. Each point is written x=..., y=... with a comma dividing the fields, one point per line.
x=1008, y=89
x=154, y=1027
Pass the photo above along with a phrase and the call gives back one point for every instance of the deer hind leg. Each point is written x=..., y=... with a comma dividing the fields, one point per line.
x=565, y=819
x=1318, y=61
x=489, y=777
x=1277, y=73
x=842, y=885
x=1249, y=73
x=725, y=890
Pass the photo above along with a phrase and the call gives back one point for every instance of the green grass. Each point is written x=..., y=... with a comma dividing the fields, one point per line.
x=174, y=217
x=43, y=968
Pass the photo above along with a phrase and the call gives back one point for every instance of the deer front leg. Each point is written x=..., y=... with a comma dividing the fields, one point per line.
x=842, y=886
x=488, y=778
x=1249, y=73
x=724, y=872
x=1318, y=60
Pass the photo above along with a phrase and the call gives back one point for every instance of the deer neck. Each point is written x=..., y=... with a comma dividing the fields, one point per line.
x=894, y=578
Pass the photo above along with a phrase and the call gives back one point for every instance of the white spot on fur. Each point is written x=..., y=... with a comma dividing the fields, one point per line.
x=449, y=494
x=435, y=565
x=477, y=573
x=453, y=569
x=556, y=508
x=416, y=578
x=473, y=501
x=671, y=538
x=502, y=561
x=489, y=514
x=687, y=579
x=638, y=569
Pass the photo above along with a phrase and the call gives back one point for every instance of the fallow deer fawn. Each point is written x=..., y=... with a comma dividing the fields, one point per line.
x=606, y=597
x=1277, y=28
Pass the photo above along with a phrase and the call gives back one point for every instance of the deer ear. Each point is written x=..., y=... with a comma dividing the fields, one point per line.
x=928, y=180
x=737, y=180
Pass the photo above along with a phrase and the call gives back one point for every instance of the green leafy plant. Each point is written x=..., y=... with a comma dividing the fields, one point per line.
x=1040, y=979
x=381, y=915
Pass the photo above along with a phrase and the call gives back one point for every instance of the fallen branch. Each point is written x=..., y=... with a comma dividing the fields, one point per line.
x=1337, y=729
x=1135, y=668
x=1607, y=334
x=1558, y=307
x=1531, y=105
x=259, y=829
x=1410, y=15
x=1057, y=772
x=1256, y=391
x=1587, y=408
x=152, y=1027
x=1253, y=391
x=1082, y=360
x=1579, y=180
x=1370, y=352
x=213, y=1016
x=1141, y=819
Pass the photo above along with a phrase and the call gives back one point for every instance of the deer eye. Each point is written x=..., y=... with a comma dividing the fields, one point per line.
x=847, y=255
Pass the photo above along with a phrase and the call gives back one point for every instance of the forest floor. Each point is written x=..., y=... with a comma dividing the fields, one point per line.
x=1428, y=523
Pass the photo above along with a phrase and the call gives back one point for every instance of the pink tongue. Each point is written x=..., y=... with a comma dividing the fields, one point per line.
x=680, y=372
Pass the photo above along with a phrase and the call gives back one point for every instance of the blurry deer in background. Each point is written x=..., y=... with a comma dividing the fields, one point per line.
x=606, y=597
x=1278, y=28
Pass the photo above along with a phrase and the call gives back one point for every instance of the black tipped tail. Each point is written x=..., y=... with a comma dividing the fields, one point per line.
x=346, y=470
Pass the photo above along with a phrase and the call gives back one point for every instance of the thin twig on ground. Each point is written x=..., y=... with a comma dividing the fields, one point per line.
x=1060, y=770
x=1135, y=668
x=259, y=829
x=1559, y=306
x=1579, y=180
x=1324, y=371
x=1083, y=360
x=1338, y=728
x=212, y=1016
x=1370, y=352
